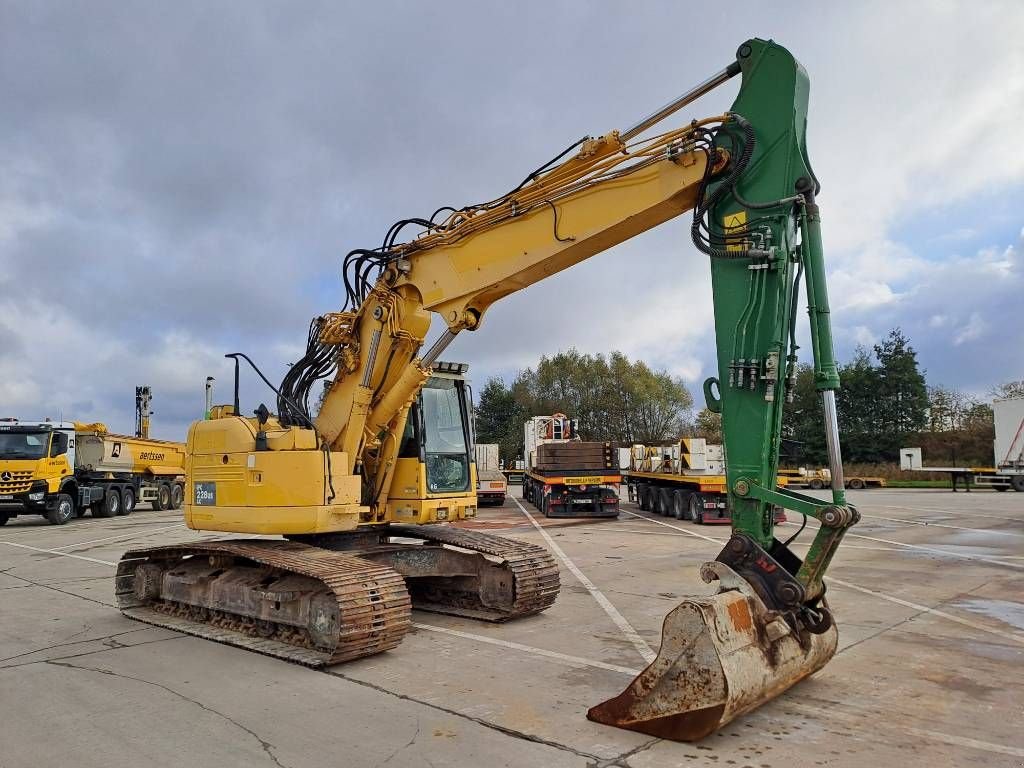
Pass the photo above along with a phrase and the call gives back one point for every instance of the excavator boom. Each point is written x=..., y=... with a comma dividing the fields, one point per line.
x=388, y=449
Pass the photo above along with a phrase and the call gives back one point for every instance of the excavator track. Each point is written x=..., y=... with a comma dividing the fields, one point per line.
x=534, y=574
x=352, y=607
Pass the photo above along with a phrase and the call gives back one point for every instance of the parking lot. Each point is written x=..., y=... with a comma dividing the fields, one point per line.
x=926, y=592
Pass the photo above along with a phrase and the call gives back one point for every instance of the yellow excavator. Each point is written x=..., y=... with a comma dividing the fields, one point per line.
x=363, y=492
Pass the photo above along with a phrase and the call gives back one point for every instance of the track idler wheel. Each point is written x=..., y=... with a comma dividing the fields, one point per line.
x=721, y=656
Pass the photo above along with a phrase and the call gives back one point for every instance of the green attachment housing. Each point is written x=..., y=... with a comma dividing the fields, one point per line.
x=764, y=231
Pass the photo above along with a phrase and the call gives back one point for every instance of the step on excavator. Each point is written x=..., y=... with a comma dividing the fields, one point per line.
x=358, y=498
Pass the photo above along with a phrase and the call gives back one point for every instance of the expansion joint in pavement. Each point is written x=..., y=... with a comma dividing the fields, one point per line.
x=595, y=760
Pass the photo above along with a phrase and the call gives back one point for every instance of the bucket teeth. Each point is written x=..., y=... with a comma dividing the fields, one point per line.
x=720, y=656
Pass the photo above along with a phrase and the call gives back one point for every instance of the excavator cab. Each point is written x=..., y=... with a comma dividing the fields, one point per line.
x=435, y=477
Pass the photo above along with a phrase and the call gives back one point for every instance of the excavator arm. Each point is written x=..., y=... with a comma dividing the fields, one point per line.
x=344, y=478
x=747, y=178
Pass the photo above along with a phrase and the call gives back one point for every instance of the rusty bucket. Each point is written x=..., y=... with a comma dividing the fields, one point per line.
x=721, y=656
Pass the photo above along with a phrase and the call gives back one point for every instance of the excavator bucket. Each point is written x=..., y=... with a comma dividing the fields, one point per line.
x=721, y=656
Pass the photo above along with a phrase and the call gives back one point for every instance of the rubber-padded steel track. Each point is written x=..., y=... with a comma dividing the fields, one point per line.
x=534, y=571
x=373, y=603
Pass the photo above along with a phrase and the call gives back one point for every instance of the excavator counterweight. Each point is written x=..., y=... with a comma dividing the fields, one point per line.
x=365, y=489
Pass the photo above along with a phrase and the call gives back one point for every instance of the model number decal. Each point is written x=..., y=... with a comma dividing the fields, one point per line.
x=205, y=494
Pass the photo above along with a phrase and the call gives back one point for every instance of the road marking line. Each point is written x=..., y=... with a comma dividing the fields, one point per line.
x=675, y=527
x=976, y=558
x=1013, y=636
x=942, y=525
x=59, y=554
x=645, y=651
x=117, y=538
x=575, y=661
x=965, y=512
x=899, y=601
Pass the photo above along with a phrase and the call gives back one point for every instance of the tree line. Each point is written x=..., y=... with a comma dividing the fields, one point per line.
x=885, y=403
x=612, y=397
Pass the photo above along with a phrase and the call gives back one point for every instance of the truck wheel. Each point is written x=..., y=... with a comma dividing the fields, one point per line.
x=641, y=497
x=4, y=517
x=696, y=508
x=127, y=501
x=63, y=511
x=111, y=504
x=163, y=497
x=663, y=501
x=1018, y=483
x=178, y=495
x=856, y=484
x=679, y=503
x=816, y=484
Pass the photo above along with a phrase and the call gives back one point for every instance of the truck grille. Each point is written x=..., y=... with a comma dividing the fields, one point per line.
x=19, y=483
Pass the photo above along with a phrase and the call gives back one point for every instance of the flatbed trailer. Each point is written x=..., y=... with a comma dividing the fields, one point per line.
x=698, y=498
x=573, y=493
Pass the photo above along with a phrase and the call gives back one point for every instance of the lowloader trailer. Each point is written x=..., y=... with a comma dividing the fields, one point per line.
x=61, y=470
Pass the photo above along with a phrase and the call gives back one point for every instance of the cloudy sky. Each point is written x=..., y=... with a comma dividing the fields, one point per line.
x=180, y=180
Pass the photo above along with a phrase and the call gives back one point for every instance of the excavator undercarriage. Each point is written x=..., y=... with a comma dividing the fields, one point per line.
x=329, y=598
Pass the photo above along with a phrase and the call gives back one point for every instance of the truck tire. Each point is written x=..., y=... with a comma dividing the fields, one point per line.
x=641, y=497
x=1018, y=483
x=4, y=517
x=63, y=510
x=163, y=497
x=178, y=495
x=696, y=506
x=856, y=483
x=127, y=501
x=679, y=504
x=816, y=484
x=111, y=504
x=663, y=501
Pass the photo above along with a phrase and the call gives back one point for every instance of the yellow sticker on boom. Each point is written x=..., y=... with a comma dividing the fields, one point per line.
x=734, y=223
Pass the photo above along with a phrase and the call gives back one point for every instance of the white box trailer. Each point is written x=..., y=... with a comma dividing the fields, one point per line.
x=491, y=483
x=1008, y=453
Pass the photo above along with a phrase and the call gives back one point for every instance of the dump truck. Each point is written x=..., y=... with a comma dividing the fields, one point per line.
x=61, y=470
x=1008, y=450
x=565, y=476
x=685, y=480
x=491, y=484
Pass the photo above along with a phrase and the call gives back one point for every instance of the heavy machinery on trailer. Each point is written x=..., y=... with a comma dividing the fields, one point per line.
x=685, y=480
x=61, y=470
x=386, y=459
x=491, y=483
x=566, y=477
x=816, y=479
x=1008, y=448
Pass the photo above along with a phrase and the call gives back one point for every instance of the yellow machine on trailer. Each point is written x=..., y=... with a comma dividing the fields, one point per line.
x=362, y=490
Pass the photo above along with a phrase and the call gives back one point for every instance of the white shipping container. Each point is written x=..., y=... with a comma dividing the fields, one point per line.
x=487, y=456
x=1009, y=443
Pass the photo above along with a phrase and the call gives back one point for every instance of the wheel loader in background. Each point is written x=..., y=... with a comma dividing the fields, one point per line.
x=362, y=490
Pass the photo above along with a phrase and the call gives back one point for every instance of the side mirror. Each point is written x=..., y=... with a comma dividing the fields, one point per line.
x=262, y=415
